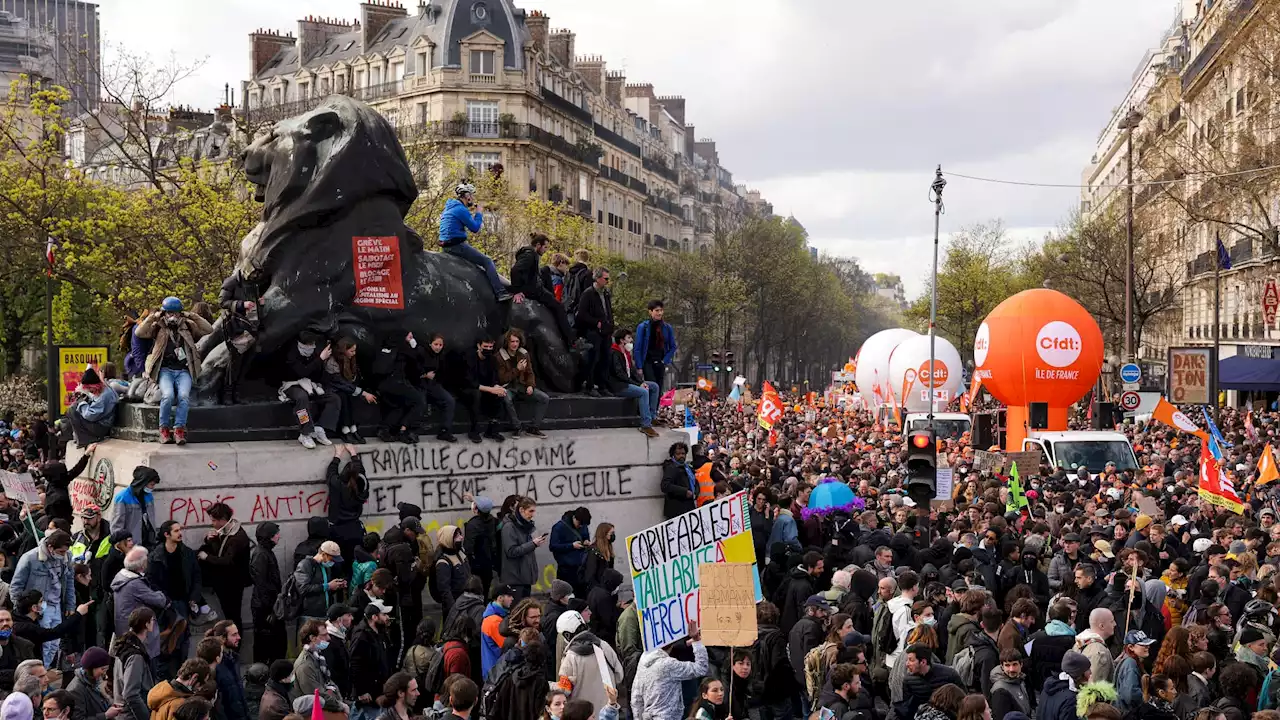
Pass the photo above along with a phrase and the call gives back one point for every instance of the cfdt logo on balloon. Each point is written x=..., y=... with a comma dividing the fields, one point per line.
x=934, y=379
x=981, y=345
x=1058, y=344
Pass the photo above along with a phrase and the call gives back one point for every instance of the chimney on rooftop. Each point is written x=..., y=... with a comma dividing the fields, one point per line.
x=374, y=16
x=264, y=45
x=314, y=32
x=561, y=42
x=538, y=23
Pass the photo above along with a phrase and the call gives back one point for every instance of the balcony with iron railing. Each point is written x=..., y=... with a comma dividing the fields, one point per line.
x=562, y=104
x=584, y=208
x=616, y=140
x=665, y=206
x=279, y=111
x=1235, y=16
x=583, y=153
x=660, y=168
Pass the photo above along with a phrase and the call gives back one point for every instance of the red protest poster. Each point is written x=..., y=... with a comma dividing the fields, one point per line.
x=376, y=262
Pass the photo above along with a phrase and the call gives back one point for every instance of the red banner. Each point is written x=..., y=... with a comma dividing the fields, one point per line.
x=376, y=262
x=1215, y=486
x=770, y=410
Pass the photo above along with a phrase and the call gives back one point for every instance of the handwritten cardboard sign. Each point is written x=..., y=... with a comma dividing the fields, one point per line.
x=984, y=460
x=376, y=263
x=1028, y=462
x=727, y=604
x=20, y=487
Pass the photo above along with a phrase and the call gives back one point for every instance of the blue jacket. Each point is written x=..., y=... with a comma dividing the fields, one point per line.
x=135, y=363
x=785, y=531
x=231, y=699
x=127, y=512
x=455, y=221
x=641, y=350
x=1128, y=682
x=101, y=408
x=34, y=573
x=563, y=536
x=490, y=648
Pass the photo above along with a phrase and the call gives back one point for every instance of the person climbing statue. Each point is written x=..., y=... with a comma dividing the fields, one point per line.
x=455, y=221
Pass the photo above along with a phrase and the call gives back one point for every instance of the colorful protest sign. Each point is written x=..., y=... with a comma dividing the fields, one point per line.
x=727, y=604
x=376, y=263
x=72, y=360
x=665, y=561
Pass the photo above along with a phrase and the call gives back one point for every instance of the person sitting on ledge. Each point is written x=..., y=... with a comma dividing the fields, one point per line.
x=94, y=411
x=173, y=362
x=403, y=404
x=304, y=370
x=481, y=390
x=455, y=221
x=342, y=379
x=624, y=380
x=515, y=372
x=526, y=283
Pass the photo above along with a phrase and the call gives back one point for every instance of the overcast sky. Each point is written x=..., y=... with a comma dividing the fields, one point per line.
x=839, y=110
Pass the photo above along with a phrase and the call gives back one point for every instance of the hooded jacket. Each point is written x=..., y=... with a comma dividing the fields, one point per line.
x=582, y=669
x=372, y=660
x=346, y=500
x=604, y=605
x=264, y=570
x=1047, y=648
x=857, y=602
x=131, y=677
x=795, y=591
x=656, y=693
x=452, y=569
x=398, y=556
x=456, y=220
x=519, y=567
x=1007, y=694
x=1091, y=645
x=470, y=605
x=960, y=628
x=491, y=639
x=91, y=703
x=57, y=481
x=480, y=542
x=1058, y=701
x=134, y=509
x=132, y=591
x=317, y=532
x=986, y=657
x=524, y=271
x=563, y=536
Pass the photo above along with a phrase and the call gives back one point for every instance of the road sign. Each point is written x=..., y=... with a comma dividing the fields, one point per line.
x=1129, y=401
x=1131, y=386
x=1270, y=301
x=1130, y=373
x=703, y=366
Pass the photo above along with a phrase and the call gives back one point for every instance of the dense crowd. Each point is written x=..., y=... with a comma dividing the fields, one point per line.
x=1114, y=594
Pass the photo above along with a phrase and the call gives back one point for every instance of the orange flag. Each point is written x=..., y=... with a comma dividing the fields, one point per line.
x=1166, y=413
x=704, y=384
x=1267, y=471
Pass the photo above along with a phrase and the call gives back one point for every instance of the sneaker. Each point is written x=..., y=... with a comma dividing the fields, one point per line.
x=180, y=435
x=385, y=436
x=206, y=617
x=515, y=432
x=349, y=438
x=495, y=436
x=166, y=436
x=356, y=437
x=593, y=393
x=475, y=437
x=408, y=438
x=307, y=442
x=649, y=431
x=319, y=436
x=534, y=432
x=446, y=436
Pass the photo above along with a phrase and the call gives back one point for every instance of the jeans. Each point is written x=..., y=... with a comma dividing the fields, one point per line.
x=440, y=398
x=466, y=252
x=648, y=395
x=87, y=432
x=656, y=371
x=360, y=711
x=51, y=618
x=174, y=382
x=515, y=394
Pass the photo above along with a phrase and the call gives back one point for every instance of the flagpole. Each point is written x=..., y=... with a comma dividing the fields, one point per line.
x=1217, y=290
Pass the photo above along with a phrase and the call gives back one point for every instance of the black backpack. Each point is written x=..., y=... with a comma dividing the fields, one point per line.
x=573, y=287
x=434, y=676
x=289, y=602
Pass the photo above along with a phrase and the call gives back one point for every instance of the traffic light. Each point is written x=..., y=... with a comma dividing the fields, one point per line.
x=715, y=361
x=922, y=466
x=728, y=361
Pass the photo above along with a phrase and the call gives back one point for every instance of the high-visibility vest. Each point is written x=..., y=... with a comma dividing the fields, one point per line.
x=706, y=486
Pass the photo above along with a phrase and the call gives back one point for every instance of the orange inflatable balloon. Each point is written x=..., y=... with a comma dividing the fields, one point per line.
x=1038, y=346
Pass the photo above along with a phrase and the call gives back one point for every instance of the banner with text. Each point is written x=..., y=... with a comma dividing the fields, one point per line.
x=72, y=360
x=376, y=262
x=665, y=562
x=1189, y=375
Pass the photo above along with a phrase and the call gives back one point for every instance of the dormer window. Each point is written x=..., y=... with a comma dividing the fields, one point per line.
x=482, y=62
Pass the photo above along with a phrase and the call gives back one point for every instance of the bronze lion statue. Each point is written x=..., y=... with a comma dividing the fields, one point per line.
x=324, y=178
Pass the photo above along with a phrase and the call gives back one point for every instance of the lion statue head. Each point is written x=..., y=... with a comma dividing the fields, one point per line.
x=308, y=170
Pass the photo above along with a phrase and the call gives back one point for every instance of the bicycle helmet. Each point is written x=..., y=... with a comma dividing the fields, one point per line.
x=171, y=304
x=465, y=188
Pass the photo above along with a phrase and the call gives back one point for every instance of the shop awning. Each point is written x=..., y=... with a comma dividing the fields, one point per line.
x=1246, y=373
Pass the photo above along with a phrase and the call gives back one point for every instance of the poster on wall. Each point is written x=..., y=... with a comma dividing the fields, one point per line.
x=665, y=561
x=376, y=263
x=72, y=360
x=1188, y=376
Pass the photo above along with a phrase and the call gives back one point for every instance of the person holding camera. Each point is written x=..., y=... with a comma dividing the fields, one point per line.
x=173, y=363
x=455, y=221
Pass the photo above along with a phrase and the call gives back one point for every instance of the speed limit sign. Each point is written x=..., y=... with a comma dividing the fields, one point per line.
x=1130, y=400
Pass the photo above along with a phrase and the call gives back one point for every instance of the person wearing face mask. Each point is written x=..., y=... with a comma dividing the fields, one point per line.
x=480, y=390
x=47, y=570
x=310, y=671
x=269, y=635
x=276, y=698
x=624, y=380
x=28, y=612
x=372, y=659
x=303, y=386
x=452, y=570
x=89, y=701
x=173, y=362
x=317, y=582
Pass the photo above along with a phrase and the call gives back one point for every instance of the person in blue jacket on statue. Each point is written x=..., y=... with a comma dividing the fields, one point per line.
x=455, y=221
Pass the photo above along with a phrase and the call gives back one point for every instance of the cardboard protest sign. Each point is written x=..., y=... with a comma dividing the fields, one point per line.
x=665, y=561
x=1028, y=461
x=20, y=487
x=983, y=460
x=727, y=604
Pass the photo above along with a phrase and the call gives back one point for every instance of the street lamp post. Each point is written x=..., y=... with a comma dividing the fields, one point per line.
x=1128, y=123
x=935, y=191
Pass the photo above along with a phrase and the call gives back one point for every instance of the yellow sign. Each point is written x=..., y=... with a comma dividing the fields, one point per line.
x=72, y=360
x=728, y=604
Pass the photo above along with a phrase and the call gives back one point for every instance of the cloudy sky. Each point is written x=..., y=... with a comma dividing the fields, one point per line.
x=839, y=110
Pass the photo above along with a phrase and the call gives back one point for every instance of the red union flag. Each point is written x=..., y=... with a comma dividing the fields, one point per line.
x=1215, y=486
x=770, y=410
x=1270, y=301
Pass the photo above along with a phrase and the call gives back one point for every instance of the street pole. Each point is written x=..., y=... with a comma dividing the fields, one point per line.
x=1128, y=123
x=50, y=356
x=1217, y=291
x=939, y=184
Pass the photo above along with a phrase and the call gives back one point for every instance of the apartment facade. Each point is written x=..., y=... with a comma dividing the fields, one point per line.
x=75, y=53
x=501, y=86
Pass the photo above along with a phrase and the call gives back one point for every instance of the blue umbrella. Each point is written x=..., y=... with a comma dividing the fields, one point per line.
x=830, y=495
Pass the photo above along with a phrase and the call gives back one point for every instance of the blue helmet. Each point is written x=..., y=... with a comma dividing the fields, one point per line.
x=171, y=304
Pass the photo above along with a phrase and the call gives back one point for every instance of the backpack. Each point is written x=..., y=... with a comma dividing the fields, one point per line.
x=815, y=671
x=431, y=677
x=884, y=639
x=289, y=601
x=432, y=586
x=963, y=663
x=573, y=287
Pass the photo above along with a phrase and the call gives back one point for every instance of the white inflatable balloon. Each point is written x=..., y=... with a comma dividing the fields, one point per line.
x=872, y=375
x=909, y=367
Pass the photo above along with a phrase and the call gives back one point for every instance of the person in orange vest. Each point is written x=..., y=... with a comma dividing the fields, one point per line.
x=706, y=485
